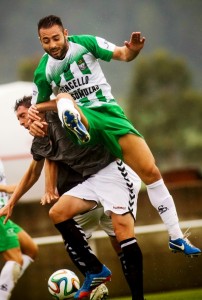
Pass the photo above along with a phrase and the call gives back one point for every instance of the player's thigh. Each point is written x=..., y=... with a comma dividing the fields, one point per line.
x=68, y=207
x=106, y=224
x=27, y=245
x=139, y=157
x=136, y=146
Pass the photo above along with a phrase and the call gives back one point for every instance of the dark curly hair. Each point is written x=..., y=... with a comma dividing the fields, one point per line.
x=24, y=101
x=49, y=21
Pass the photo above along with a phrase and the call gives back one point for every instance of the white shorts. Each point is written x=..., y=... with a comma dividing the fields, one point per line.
x=116, y=187
x=94, y=218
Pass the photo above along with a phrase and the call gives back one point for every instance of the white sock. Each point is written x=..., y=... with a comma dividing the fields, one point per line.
x=4, y=295
x=8, y=278
x=161, y=199
x=27, y=260
x=66, y=104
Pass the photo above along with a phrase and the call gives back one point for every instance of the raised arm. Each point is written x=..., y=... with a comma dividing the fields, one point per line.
x=51, y=175
x=9, y=189
x=35, y=109
x=130, y=49
x=28, y=180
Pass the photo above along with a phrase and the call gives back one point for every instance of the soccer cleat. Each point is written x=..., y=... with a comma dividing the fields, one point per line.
x=183, y=245
x=73, y=123
x=92, y=281
x=99, y=293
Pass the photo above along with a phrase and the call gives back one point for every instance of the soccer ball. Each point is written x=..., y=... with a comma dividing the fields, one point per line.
x=63, y=284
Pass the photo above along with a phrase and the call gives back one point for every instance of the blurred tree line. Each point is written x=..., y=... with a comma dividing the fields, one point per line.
x=162, y=105
x=27, y=66
x=165, y=108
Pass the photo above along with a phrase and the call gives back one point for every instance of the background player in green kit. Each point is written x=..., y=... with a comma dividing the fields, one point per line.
x=70, y=65
x=16, y=246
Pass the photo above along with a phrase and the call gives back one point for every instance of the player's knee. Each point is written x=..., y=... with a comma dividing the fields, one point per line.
x=123, y=232
x=52, y=213
x=64, y=95
x=57, y=215
x=31, y=250
x=19, y=260
x=34, y=251
x=123, y=227
x=151, y=174
x=27, y=244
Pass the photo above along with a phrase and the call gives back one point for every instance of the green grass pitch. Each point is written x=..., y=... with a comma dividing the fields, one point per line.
x=195, y=294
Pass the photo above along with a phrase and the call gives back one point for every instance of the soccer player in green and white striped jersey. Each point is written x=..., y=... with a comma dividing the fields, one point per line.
x=70, y=66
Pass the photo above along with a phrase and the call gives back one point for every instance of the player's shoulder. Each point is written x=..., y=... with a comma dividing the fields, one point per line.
x=43, y=61
x=82, y=39
x=41, y=68
x=85, y=41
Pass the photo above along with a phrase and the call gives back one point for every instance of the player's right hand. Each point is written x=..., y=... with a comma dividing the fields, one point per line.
x=7, y=212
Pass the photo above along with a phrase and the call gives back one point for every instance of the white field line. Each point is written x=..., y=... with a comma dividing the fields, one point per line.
x=54, y=239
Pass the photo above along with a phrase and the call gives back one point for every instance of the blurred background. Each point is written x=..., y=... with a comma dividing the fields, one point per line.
x=160, y=91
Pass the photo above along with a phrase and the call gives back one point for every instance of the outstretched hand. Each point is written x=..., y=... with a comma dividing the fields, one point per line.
x=7, y=212
x=136, y=42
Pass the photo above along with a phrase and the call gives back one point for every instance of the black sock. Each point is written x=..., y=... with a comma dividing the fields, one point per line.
x=133, y=267
x=75, y=239
x=76, y=260
x=123, y=265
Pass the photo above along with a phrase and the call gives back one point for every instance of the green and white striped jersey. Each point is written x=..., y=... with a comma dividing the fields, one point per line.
x=3, y=196
x=79, y=73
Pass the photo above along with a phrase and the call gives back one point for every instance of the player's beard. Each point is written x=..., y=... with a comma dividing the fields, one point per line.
x=61, y=54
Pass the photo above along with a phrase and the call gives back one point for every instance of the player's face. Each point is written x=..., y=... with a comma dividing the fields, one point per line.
x=54, y=41
x=22, y=116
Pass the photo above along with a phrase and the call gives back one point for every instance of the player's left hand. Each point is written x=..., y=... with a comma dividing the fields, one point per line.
x=38, y=128
x=49, y=197
x=136, y=42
